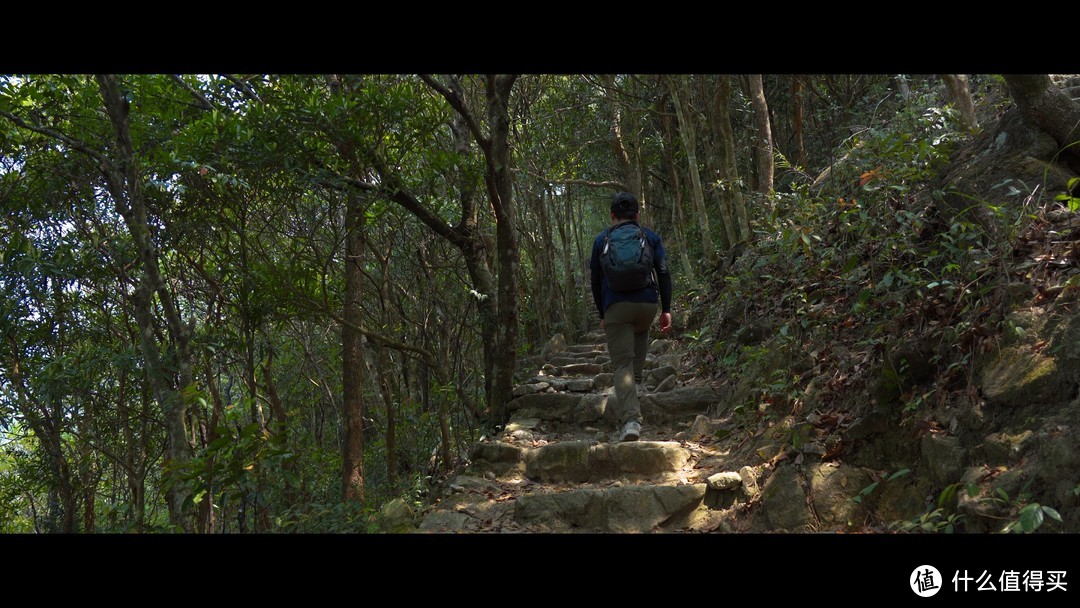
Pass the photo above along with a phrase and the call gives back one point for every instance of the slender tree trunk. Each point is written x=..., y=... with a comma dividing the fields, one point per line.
x=583, y=259
x=53, y=422
x=624, y=145
x=570, y=296
x=797, y=100
x=206, y=512
x=88, y=469
x=125, y=185
x=384, y=367
x=680, y=97
x=763, y=141
x=732, y=207
x=277, y=408
x=352, y=360
x=960, y=97
x=134, y=453
x=546, y=285
x=677, y=220
x=247, y=323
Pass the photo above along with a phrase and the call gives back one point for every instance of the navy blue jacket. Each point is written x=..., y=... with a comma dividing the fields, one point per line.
x=604, y=297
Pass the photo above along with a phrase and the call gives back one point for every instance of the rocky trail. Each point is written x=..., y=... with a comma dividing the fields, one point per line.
x=557, y=465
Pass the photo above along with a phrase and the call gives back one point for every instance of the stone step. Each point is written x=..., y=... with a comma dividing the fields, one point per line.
x=594, y=349
x=628, y=509
x=577, y=369
x=519, y=482
x=677, y=403
x=559, y=406
x=682, y=403
x=479, y=505
x=594, y=337
x=579, y=461
x=563, y=361
x=552, y=384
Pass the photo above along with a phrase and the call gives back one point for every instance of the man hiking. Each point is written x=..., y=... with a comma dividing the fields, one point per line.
x=629, y=279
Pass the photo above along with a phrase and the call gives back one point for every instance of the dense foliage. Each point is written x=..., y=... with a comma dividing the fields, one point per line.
x=175, y=274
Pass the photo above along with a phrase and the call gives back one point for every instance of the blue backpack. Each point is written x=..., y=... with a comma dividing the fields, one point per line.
x=627, y=257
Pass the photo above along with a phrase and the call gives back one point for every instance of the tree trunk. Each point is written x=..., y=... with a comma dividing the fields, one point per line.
x=680, y=97
x=625, y=148
x=134, y=454
x=125, y=185
x=797, y=95
x=960, y=97
x=732, y=207
x=763, y=142
x=499, y=178
x=582, y=258
x=570, y=295
x=677, y=221
x=88, y=469
x=384, y=368
x=352, y=360
x=1050, y=108
x=902, y=86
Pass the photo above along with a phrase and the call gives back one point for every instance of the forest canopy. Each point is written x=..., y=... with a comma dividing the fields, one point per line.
x=274, y=302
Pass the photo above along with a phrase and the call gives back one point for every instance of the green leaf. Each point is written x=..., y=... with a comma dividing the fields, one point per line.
x=1031, y=517
x=899, y=473
x=948, y=496
x=1051, y=512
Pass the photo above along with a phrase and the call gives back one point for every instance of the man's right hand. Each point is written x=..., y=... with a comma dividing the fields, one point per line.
x=665, y=322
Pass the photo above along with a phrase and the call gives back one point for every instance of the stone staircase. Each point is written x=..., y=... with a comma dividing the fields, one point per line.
x=556, y=466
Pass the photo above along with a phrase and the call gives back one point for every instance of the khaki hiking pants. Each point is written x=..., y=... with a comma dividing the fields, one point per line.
x=626, y=325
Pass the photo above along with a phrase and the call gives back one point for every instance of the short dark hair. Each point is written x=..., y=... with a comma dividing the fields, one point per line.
x=624, y=205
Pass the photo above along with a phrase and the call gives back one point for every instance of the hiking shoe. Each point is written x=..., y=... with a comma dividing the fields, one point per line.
x=631, y=431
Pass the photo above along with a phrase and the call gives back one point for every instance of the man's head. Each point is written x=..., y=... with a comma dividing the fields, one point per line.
x=624, y=206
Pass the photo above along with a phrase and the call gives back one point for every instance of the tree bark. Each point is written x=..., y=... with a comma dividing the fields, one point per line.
x=384, y=367
x=797, y=102
x=124, y=183
x=680, y=97
x=960, y=97
x=763, y=141
x=570, y=296
x=352, y=360
x=677, y=220
x=1050, y=108
x=902, y=86
x=625, y=148
x=499, y=178
x=732, y=207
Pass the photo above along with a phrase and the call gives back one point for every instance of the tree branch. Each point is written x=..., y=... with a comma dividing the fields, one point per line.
x=103, y=162
x=243, y=87
x=422, y=354
x=203, y=101
x=457, y=102
x=576, y=182
x=399, y=195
